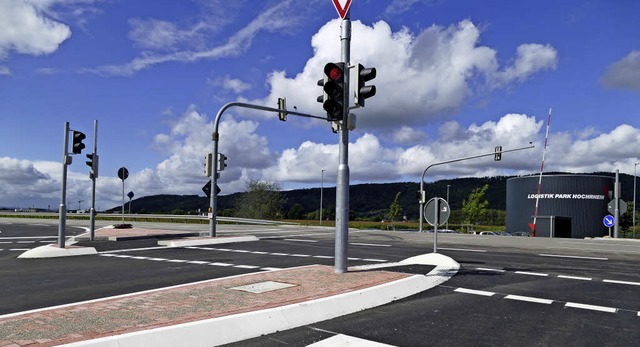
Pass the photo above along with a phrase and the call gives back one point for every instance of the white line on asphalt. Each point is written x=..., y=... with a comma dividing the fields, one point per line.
x=220, y=264
x=572, y=256
x=279, y=254
x=270, y=268
x=489, y=269
x=464, y=249
x=299, y=240
x=27, y=237
x=19, y=249
x=622, y=282
x=591, y=307
x=177, y=261
x=323, y=256
x=575, y=278
x=528, y=299
x=531, y=273
x=246, y=266
x=474, y=292
x=3, y=242
x=375, y=260
x=369, y=244
x=198, y=262
x=26, y=242
x=301, y=255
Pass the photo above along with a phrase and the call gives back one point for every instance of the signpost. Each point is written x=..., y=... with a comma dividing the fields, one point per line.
x=609, y=221
x=123, y=173
x=342, y=6
x=436, y=213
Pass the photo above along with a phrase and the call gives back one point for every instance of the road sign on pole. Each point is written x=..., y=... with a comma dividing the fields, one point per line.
x=608, y=221
x=342, y=6
x=611, y=206
x=442, y=216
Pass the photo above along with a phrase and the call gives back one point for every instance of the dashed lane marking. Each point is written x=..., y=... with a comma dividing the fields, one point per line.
x=572, y=256
x=195, y=262
x=369, y=244
x=577, y=278
x=300, y=240
x=540, y=300
x=463, y=249
x=283, y=254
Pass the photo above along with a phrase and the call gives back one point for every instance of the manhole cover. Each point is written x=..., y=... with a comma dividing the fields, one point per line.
x=263, y=287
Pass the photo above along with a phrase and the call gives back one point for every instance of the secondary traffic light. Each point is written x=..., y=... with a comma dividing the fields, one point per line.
x=333, y=86
x=222, y=161
x=498, y=153
x=92, y=163
x=77, y=145
x=282, y=105
x=363, y=91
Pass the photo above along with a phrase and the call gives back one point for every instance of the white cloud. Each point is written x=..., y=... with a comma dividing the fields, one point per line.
x=25, y=29
x=233, y=84
x=408, y=136
x=420, y=77
x=624, y=74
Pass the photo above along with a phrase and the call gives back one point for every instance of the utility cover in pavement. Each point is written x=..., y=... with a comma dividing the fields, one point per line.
x=263, y=287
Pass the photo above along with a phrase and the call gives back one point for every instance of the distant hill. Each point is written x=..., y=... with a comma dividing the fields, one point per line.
x=366, y=200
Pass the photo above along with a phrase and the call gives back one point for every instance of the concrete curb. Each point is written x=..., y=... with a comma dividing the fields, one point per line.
x=206, y=241
x=248, y=325
x=53, y=251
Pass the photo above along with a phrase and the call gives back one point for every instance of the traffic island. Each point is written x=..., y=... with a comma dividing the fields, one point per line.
x=53, y=251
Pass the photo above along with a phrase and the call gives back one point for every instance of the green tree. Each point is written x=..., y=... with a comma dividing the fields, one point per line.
x=475, y=207
x=395, y=210
x=296, y=212
x=262, y=200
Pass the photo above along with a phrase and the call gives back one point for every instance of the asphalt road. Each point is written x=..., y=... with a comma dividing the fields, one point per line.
x=510, y=290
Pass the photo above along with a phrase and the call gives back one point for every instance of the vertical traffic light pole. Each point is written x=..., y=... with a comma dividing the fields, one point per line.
x=62, y=212
x=93, y=176
x=342, y=186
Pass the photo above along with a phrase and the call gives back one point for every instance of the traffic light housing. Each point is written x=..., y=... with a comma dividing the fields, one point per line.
x=92, y=163
x=498, y=153
x=333, y=86
x=282, y=105
x=363, y=91
x=222, y=161
x=208, y=164
x=77, y=146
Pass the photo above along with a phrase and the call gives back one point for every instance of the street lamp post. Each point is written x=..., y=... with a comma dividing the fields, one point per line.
x=634, y=199
x=321, y=192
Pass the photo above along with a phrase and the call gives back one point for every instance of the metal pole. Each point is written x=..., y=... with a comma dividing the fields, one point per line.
x=454, y=161
x=321, y=193
x=215, y=137
x=435, y=226
x=448, y=185
x=62, y=211
x=616, y=196
x=342, y=186
x=634, y=199
x=92, y=210
x=123, y=201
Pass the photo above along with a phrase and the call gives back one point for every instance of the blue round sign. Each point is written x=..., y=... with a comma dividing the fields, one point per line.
x=608, y=220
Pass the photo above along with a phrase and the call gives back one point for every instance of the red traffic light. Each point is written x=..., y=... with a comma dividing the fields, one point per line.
x=333, y=71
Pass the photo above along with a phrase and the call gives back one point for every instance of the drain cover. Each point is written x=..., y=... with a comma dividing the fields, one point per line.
x=263, y=287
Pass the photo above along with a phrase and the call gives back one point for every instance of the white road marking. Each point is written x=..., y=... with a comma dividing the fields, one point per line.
x=572, y=256
x=323, y=256
x=26, y=242
x=220, y=264
x=375, y=260
x=474, y=292
x=531, y=273
x=247, y=266
x=27, y=237
x=622, y=282
x=346, y=340
x=591, y=307
x=270, y=268
x=464, y=249
x=575, y=278
x=369, y=244
x=300, y=240
x=528, y=299
x=489, y=269
x=19, y=249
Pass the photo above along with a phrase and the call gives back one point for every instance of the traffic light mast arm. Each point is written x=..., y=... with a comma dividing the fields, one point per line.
x=457, y=160
x=215, y=137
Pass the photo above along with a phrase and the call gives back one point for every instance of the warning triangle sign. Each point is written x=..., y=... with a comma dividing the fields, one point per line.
x=342, y=6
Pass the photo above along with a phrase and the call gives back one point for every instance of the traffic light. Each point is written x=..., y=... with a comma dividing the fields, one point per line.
x=222, y=161
x=363, y=91
x=208, y=163
x=420, y=194
x=92, y=163
x=282, y=105
x=77, y=145
x=333, y=86
x=498, y=153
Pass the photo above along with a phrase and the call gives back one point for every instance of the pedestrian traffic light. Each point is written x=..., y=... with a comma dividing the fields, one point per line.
x=77, y=145
x=92, y=162
x=498, y=153
x=222, y=161
x=333, y=86
x=363, y=91
x=282, y=106
x=420, y=194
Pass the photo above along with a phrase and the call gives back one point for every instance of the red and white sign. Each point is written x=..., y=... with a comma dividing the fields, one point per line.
x=342, y=6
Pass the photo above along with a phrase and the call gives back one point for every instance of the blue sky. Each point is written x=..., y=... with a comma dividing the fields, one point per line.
x=455, y=78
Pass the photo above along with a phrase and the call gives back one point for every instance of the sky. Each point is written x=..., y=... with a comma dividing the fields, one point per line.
x=454, y=79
